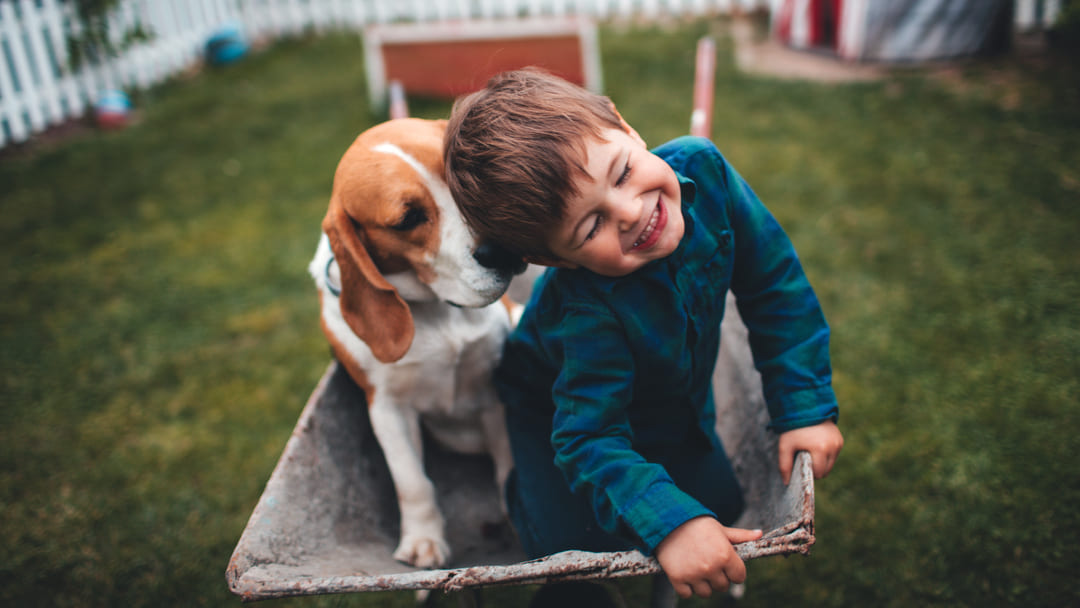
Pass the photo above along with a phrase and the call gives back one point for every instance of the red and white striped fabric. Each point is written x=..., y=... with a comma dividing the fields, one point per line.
x=897, y=30
x=807, y=23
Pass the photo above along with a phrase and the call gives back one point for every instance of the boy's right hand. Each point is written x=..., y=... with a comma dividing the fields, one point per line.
x=698, y=556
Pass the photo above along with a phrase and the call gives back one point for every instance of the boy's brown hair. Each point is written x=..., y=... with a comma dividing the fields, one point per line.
x=512, y=153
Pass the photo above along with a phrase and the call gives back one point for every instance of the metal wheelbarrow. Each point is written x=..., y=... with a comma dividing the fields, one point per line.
x=327, y=521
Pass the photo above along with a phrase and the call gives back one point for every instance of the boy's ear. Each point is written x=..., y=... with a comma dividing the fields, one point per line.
x=543, y=260
x=626, y=127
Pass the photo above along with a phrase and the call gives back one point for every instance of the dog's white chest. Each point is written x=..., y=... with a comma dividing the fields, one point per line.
x=447, y=371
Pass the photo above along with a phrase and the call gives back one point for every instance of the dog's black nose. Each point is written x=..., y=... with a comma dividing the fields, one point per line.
x=490, y=255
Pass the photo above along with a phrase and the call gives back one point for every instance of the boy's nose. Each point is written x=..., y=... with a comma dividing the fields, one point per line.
x=627, y=212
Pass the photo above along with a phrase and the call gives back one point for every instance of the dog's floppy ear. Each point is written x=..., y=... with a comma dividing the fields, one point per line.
x=371, y=306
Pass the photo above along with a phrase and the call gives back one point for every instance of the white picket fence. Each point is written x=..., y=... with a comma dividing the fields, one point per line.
x=38, y=89
x=1031, y=15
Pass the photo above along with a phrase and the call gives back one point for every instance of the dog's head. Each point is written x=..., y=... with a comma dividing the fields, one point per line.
x=397, y=235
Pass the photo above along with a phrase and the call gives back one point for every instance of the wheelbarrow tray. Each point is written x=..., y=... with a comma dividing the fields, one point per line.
x=327, y=521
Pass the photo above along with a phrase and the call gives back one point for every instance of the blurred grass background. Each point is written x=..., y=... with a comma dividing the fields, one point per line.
x=160, y=335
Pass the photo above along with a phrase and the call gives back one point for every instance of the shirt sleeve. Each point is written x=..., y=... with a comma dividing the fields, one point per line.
x=789, y=336
x=592, y=438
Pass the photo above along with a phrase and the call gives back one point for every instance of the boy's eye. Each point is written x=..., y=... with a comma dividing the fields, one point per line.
x=595, y=229
x=625, y=174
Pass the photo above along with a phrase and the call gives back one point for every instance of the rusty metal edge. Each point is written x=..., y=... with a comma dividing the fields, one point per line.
x=566, y=566
x=245, y=581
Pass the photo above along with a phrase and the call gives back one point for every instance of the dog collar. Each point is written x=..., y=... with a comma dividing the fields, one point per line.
x=334, y=289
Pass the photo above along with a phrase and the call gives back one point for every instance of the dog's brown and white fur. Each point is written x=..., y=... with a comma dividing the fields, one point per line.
x=409, y=313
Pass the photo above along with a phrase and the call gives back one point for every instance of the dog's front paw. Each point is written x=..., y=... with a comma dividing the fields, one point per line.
x=423, y=552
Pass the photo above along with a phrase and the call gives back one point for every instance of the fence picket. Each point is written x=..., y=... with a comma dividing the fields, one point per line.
x=41, y=65
x=12, y=126
x=20, y=58
x=73, y=99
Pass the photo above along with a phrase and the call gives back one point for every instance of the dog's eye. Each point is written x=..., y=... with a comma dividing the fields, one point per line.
x=412, y=218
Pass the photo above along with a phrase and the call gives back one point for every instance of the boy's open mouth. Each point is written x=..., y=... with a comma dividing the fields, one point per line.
x=653, y=228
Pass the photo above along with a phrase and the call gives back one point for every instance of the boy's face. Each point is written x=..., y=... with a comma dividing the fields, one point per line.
x=627, y=213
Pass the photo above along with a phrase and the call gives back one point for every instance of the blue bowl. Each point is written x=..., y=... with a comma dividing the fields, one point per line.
x=226, y=45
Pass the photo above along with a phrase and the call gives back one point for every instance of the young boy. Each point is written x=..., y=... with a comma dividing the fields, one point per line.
x=607, y=377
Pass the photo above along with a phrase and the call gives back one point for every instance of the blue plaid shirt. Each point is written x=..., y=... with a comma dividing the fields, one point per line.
x=622, y=366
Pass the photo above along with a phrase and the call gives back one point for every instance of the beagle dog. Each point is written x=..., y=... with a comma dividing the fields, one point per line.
x=410, y=306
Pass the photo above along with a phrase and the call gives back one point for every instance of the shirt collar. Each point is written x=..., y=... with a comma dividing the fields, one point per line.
x=689, y=188
x=688, y=191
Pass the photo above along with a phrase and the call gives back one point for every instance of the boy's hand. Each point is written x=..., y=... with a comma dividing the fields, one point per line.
x=698, y=558
x=823, y=441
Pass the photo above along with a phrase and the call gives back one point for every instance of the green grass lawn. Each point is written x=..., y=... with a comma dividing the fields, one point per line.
x=159, y=335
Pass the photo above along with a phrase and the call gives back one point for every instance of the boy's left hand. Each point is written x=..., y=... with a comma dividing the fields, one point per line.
x=823, y=441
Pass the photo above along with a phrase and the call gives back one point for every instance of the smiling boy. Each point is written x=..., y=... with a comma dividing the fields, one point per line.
x=607, y=377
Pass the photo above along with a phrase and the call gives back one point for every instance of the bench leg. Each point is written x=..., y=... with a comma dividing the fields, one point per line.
x=663, y=594
x=470, y=598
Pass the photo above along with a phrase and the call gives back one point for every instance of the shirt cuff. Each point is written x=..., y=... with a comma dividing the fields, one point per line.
x=803, y=408
x=657, y=511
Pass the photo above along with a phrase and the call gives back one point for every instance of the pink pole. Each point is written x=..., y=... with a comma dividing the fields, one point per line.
x=398, y=107
x=704, y=70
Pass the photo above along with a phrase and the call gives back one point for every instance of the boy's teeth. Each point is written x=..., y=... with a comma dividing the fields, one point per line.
x=649, y=227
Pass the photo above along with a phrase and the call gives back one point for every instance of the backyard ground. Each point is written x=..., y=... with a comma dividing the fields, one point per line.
x=159, y=335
